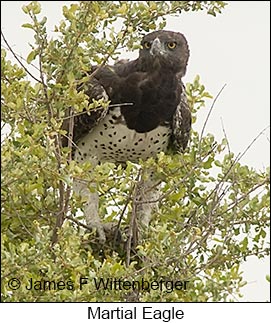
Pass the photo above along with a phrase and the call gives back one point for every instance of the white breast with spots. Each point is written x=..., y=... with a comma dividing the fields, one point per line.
x=112, y=141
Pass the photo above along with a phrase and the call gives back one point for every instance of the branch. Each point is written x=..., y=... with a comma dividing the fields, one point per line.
x=16, y=57
x=95, y=109
x=224, y=131
x=133, y=224
x=208, y=115
x=80, y=224
x=240, y=199
x=252, y=142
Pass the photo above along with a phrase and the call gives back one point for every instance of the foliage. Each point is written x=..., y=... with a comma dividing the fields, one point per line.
x=207, y=224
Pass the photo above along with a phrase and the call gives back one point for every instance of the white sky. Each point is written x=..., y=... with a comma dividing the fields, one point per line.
x=232, y=48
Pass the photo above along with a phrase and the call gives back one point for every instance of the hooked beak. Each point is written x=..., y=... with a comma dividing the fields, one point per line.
x=157, y=48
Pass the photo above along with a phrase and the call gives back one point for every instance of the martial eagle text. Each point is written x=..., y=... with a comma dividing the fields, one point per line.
x=135, y=313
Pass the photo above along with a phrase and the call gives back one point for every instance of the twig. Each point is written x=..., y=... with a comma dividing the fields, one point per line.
x=224, y=131
x=208, y=115
x=132, y=221
x=108, y=55
x=240, y=199
x=80, y=224
x=252, y=142
x=16, y=57
x=236, y=160
x=22, y=58
x=121, y=217
x=95, y=109
x=70, y=141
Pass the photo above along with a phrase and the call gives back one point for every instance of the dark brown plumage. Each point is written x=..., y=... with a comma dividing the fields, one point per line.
x=151, y=84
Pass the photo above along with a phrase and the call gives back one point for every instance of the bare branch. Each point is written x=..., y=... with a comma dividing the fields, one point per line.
x=208, y=115
x=252, y=142
x=224, y=131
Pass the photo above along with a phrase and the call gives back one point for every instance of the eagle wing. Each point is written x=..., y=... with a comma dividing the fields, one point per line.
x=106, y=84
x=84, y=122
x=181, y=122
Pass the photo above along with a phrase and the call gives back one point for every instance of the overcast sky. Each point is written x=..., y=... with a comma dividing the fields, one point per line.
x=232, y=48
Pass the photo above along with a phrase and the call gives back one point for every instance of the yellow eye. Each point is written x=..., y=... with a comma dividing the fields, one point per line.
x=147, y=44
x=171, y=45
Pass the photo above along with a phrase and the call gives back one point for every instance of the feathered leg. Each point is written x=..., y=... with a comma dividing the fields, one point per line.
x=91, y=206
x=145, y=203
x=147, y=198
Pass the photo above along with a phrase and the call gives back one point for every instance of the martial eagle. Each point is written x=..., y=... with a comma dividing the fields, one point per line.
x=152, y=115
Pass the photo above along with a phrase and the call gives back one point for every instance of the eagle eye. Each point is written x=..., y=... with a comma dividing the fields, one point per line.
x=147, y=44
x=171, y=44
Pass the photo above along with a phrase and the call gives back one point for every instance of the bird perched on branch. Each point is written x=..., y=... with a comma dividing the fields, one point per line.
x=149, y=114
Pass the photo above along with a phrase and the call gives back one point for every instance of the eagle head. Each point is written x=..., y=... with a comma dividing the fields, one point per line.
x=165, y=50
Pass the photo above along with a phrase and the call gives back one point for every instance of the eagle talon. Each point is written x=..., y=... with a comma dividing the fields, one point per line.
x=102, y=237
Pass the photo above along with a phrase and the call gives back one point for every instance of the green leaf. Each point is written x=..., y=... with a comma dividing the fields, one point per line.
x=31, y=56
x=27, y=25
x=25, y=9
x=177, y=196
x=244, y=244
x=36, y=7
x=208, y=163
x=123, y=9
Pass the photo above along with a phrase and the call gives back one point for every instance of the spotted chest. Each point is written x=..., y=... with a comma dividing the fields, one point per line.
x=111, y=140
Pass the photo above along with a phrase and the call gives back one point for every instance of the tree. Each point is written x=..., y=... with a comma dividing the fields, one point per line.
x=206, y=225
